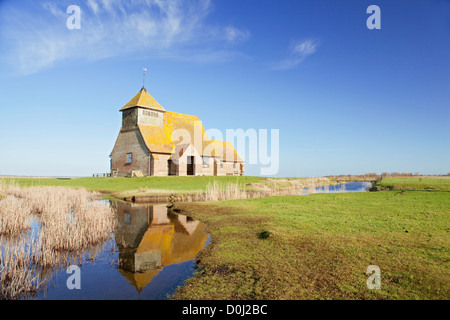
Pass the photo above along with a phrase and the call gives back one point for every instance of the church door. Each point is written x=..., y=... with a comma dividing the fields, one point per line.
x=190, y=166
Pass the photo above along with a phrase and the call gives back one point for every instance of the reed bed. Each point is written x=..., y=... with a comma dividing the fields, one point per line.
x=271, y=187
x=218, y=192
x=47, y=227
x=14, y=216
x=267, y=187
x=18, y=277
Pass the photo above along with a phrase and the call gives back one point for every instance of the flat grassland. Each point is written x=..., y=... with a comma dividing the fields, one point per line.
x=120, y=187
x=415, y=183
x=320, y=246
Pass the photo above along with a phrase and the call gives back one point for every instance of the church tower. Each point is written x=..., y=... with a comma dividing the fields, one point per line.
x=143, y=109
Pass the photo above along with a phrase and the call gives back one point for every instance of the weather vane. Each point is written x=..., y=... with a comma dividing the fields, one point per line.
x=143, y=80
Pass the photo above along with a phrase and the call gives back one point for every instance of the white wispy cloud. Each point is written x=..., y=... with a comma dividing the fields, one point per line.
x=298, y=52
x=169, y=29
x=234, y=35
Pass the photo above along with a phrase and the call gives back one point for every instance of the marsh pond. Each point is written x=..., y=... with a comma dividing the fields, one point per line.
x=150, y=254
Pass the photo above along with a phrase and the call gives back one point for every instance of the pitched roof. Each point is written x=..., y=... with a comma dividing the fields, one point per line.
x=144, y=100
x=185, y=129
x=225, y=151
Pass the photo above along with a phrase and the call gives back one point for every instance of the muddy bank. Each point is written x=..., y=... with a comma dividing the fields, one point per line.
x=161, y=198
x=207, y=196
x=227, y=194
x=219, y=192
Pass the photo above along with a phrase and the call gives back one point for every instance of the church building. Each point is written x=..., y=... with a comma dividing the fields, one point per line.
x=155, y=142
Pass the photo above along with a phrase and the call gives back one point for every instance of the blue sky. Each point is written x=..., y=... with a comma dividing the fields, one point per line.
x=346, y=99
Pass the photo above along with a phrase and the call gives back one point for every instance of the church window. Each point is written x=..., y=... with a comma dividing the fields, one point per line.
x=150, y=113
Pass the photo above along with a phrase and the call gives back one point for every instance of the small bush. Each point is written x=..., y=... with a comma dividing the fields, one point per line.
x=264, y=234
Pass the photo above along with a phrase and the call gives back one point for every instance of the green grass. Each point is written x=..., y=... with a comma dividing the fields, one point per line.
x=319, y=247
x=123, y=185
x=415, y=183
x=120, y=187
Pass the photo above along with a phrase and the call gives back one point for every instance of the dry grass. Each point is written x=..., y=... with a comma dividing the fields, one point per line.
x=218, y=192
x=46, y=227
x=267, y=188
x=14, y=216
x=18, y=276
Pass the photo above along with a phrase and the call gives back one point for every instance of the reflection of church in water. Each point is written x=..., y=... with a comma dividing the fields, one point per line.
x=150, y=238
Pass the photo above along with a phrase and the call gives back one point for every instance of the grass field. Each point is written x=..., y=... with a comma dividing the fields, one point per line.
x=415, y=183
x=319, y=247
x=125, y=187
